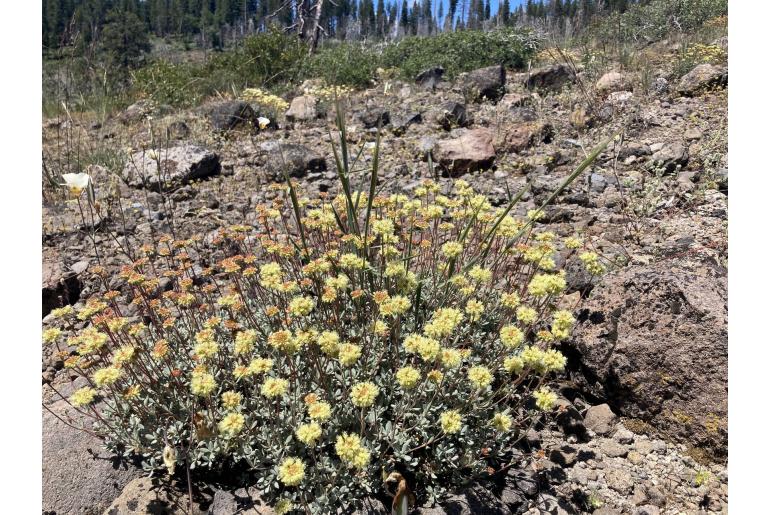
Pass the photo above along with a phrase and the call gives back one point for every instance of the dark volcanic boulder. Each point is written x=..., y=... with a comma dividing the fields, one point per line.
x=485, y=83
x=652, y=341
x=61, y=286
x=428, y=79
x=293, y=158
x=549, y=77
x=374, y=117
x=450, y=115
x=230, y=114
x=178, y=165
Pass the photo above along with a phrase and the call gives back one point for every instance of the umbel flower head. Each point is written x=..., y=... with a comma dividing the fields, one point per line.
x=451, y=422
x=291, y=472
x=363, y=394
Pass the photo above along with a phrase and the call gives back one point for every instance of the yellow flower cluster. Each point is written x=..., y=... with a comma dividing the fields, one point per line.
x=309, y=433
x=348, y=354
x=543, y=285
x=351, y=451
x=501, y=422
x=591, y=262
x=264, y=99
x=107, y=376
x=451, y=422
x=202, y=383
x=408, y=377
x=544, y=398
x=83, y=396
x=274, y=387
x=443, y=322
x=301, y=306
x=291, y=472
x=363, y=394
x=232, y=424
x=480, y=377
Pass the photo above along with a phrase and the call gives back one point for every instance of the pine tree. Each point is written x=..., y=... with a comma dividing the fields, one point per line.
x=403, y=19
x=505, y=11
x=380, y=17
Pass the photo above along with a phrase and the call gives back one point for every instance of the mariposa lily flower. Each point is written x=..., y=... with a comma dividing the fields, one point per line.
x=76, y=182
x=263, y=122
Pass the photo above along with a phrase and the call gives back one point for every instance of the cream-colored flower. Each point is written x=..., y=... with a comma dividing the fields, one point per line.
x=76, y=182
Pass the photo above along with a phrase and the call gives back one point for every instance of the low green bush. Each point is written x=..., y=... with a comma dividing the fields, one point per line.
x=656, y=20
x=461, y=51
x=180, y=84
x=350, y=64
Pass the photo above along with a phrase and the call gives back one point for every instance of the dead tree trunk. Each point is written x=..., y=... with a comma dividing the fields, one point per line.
x=315, y=29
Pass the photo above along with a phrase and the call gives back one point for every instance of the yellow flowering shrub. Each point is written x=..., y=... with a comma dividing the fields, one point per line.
x=272, y=104
x=381, y=338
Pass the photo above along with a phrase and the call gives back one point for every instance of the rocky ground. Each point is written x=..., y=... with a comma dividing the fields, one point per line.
x=642, y=424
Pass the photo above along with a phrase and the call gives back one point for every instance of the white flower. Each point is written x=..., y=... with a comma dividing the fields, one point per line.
x=263, y=122
x=76, y=182
x=152, y=155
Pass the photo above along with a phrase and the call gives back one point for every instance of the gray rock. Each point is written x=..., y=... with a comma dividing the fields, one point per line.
x=484, y=84
x=227, y=115
x=566, y=455
x=375, y=117
x=600, y=419
x=520, y=136
x=78, y=475
x=523, y=480
x=550, y=77
x=670, y=156
x=473, y=501
x=179, y=165
x=606, y=510
x=653, y=341
x=648, y=509
x=399, y=124
x=244, y=501
x=135, y=112
x=60, y=286
x=611, y=82
x=302, y=108
x=569, y=418
x=145, y=495
x=428, y=79
x=470, y=152
x=619, y=480
x=623, y=436
x=702, y=77
x=372, y=506
x=613, y=449
x=296, y=159
x=178, y=130
x=450, y=115
x=634, y=149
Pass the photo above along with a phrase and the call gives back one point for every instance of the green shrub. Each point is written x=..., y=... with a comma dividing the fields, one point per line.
x=180, y=84
x=350, y=64
x=644, y=23
x=340, y=338
x=265, y=59
x=460, y=51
